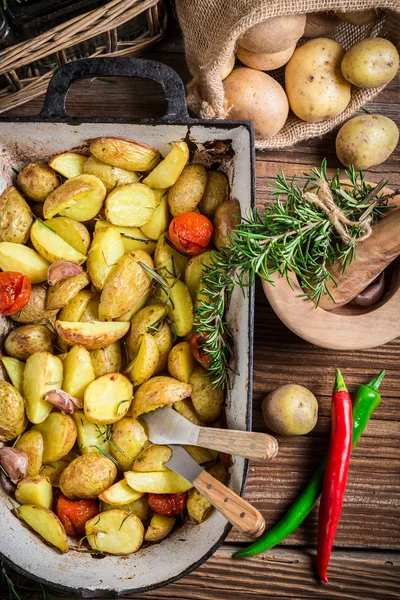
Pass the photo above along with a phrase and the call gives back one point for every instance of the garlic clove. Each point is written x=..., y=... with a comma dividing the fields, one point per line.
x=62, y=269
x=14, y=462
x=373, y=293
x=62, y=401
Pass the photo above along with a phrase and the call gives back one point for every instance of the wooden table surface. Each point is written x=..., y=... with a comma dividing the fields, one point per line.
x=365, y=561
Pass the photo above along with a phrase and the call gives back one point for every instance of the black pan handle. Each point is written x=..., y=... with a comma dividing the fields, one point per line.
x=56, y=95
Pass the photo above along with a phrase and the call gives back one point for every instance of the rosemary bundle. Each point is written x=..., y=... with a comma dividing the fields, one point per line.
x=297, y=233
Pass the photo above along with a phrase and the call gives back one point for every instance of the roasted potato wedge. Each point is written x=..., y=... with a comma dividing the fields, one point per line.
x=59, y=294
x=53, y=470
x=188, y=190
x=226, y=218
x=28, y=339
x=68, y=164
x=15, y=371
x=43, y=372
x=124, y=154
x=125, y=285
x=90, y=436
x=198, y=506
x=108, y=398
x=139, y=507
x=72, y=232
x=107, y=360
x=35, y=490
x=164, y=340
x=181, y=363
x=91, y=335
x=147, y=320
x=201, y=455
x=156, y=392
x=46, y=524
x=119, y=494
x=132, y=237
x=160, y=482
x=194, y=273
x=141, y=303
x=12, y=412
x=79, y=198
x=51, y=246
x=159, y=221
x=59, y=436
x=115, y=532
x=152, y=459
x=168, y=261
x=216, y=192
x=144, y=364
x=15, y=217
x=78, y=372
x=110, y=176
x=127, y=440
x=91, y=312
x=186, y=409
x=166, y=173
x=37, y=181
x=159, y=527
x=132, y=205
x=36, y=309
x=105, y=251
x=31, y=442
x=75, y=308
x=16, y=257
x=207, y=400
x=180, y=306
x=87, y=476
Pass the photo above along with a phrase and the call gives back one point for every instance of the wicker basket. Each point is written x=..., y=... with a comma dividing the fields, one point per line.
x=27, y=67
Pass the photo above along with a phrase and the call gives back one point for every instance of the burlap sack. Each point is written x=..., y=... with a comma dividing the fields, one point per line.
x=212, y=27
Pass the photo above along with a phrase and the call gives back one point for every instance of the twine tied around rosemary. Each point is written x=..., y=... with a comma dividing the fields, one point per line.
x=324, y=200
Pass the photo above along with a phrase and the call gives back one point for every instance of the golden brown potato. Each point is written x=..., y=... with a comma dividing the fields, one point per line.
x=195, y=267
x=168, y=170
x=119, y=494
x=108, y=398
x=132, y=205
x=28, y=339
x=59, y=436
x=16, y=257
x=201, y=455
x=320, y=24
x=36, y=309
x=370, y=63
x=31, y=442
x=105, y=251
x=186, y=409
x=15, y=371
x=43, y=372
x=215, y=193
x=35, y=490
x=46, y=524
x=53, y=470
x=15, y=217
x=168, y=261
x=159, y=482
x=159, y=222
x=188, y=190
x=91, y=336
x=132, y=237
x=264, y=61
x=159, y=527
x=110, y=176
x=78, y=372
x=139, y=507
x=59, y=294
x=107, y=360
x=90, y=436
x=181, y=363
x=68, y=164
x=91, y=312
x=75, y=308
x=198, y=506
x=207, y=400
x=124, y=154
x=127, y=441
x=274, y=34
x=180, y=306
x=144, y=363
x=115, y=532
x=37, y=181
x=152, y=458
x=12, y=412
x=72, y=232
x=164, y=339
x=158, y=391
x=226, y=218
x=87, y=476
x=51, y=246
x=79, y=198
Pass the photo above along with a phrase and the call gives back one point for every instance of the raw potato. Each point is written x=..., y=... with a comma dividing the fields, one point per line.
x=126, y=285
x=91, y=335
x=215, y=193
x=115, y=532
x=15, y=217
x=315, y=85
x=290, y=410
x=72, y=232
x=37, y=181
x=180, y=306
x=168, y=170
x=105, y=251
x=59, y=436
x=320, y=24
x=108, y=398
x=132, y=237
x=198, y=506
x=207, y=400
x=12, y=412
x=107, y=360
x=89, y=435
x=53, y=471
x=59, y=294
x=227, y=68
x=132, y=204
x=15, y=371
x=16, y=257
x=194, y=271
x=159, y=527
x=264, y=61
x=87, y=476
x=78, y=372
x=127, y=441
x=31, y=442
x=359, y=17
x=35, y=490
x=164, y=339
x=188, y=190
x=119, y=494
x=181, y=363
x=28, y=339
x=226, y=218
x=168, y=261
x=144, y=364
x=79, y=198
x=366, y=141
x=152, y=459
x=51, y=246
x=74, y=310
x=159, y=222
x=124, y=154
x=68, y=164
x=370, y=63
x=46, y=524
x=157, y=392
x=186, y=409
x=110, y=176
x=160, y=482
x=274, y=34
x=257, y=97
x=43, y=372
x=36, y=309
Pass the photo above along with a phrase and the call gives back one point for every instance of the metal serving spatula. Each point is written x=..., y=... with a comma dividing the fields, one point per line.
x=166, y=426
x=240, y=513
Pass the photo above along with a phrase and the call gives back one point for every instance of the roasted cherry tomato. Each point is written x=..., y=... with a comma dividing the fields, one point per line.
x=202, y=357
x=190, y=232
x=73, y=514
x=15, y=291
x=167, y=504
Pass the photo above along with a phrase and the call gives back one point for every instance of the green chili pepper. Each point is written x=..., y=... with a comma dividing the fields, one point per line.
x=366, y=399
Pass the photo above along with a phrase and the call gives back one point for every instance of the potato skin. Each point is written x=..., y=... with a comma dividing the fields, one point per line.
x=207, y=400
x=28, y=339
x=263, y=61
x=187, y=192
x=87, y=476
x=124, y=154
x=290, y=410
x=63, y=291
x=320, y=24
x=370, y=63
x=366, y=141
x=15, y=217
x=36, y=309
x=359, y=17
x=149, y=316
x=215, y=193
x=157, y=392
x=37, y=181
x=274, y=34
x=226, y=218
x=128, y=436
x=107, y=360
x=12, y=412
x=255, y=96
x=31, y=443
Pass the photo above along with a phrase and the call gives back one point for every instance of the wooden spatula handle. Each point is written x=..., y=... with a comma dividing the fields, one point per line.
x=257, y=446
x=240, y=513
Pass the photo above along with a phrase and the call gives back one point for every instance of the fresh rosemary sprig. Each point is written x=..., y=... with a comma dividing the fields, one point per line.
x=293, y=235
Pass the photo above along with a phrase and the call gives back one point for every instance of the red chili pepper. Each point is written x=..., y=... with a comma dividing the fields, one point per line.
x=15, y=291
x=336, y=470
